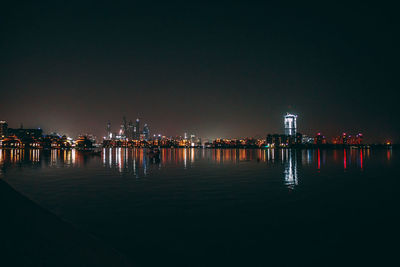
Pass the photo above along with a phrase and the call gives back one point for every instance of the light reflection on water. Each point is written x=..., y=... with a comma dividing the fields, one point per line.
x=136, y=162
x=191, y=198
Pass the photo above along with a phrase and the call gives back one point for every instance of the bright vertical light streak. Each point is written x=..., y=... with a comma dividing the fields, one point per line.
x=361, y=159
x=344, y=159
x=389, y=154
x=319, y=159
x=110, y=157
x=184, y=158
x=73, y=156
x=119, y=163
x=192, y=155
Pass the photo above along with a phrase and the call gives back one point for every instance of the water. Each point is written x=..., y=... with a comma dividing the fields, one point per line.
x=211, y=207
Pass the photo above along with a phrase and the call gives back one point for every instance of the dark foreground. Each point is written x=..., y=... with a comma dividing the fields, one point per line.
x=344, y=232
x=32, y=236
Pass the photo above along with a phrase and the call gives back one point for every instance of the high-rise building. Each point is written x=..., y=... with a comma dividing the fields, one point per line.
x=146, y=132
x=123, y=130
x=108, y=129
x=3, y=129
x=130, y=130
x=290, y=124
x=137, y=129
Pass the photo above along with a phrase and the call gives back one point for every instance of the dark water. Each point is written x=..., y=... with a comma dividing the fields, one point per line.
x=203, y=207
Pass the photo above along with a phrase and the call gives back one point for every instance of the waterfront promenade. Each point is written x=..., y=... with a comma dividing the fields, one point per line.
x=32, y=236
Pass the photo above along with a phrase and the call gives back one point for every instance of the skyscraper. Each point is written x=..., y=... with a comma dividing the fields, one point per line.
x=130, y=130
x=290, y=124
x=108, y=129
x=146, y=132
x=3, y=129
x=137, y=129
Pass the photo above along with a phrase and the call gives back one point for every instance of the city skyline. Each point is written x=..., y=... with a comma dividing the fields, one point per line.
x=230, y=70
x=129, y=131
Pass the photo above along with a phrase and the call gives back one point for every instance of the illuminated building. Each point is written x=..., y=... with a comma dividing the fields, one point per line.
x=137, y=129
x=3, y=129
x=146, y=132
x=123, y=129
x=290, y=124
x=108, y=129
x=12, y=142
x=347, y=139
x=307, y=140
x=195, y=142
x=343, y=140
x=319, y=139
x=279, y=140
x=359, y=139
x=130, y=130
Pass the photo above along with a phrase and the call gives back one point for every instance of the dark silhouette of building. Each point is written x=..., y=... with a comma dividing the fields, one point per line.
x=22, y=133
x=299, y=138
x=130, y=130
x=319, y=139
x=137, y=129
x=3, y=129
x=83, y=142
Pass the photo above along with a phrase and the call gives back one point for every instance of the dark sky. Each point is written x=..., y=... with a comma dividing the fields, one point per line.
x=223, y=69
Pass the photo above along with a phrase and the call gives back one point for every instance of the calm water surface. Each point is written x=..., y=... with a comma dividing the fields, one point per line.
x=210, y=207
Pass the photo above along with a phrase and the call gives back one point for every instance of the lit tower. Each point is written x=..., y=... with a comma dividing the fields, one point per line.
x=130, y=130
x=137, y=129
x=290, y=124
x=109, y=134
x=146, y=132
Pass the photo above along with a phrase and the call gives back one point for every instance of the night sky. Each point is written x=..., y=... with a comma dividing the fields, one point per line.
x=216, y=70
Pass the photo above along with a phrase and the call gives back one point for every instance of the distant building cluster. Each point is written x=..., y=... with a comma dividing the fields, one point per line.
x=130, y=134
x=34, y=138
x=128, y=131
x=292, y=137
x=348, y=139
x=236, y=143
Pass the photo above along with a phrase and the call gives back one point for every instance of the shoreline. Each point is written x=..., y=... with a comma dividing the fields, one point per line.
x=33, y=236
x=297, y=147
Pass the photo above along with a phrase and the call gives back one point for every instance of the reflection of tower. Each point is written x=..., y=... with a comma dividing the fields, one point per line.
x=146, y=132
x=290, y=124
x=291, y=179
x=109, y=134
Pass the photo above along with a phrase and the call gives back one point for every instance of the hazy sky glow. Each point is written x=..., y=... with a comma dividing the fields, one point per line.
x=226, y=70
